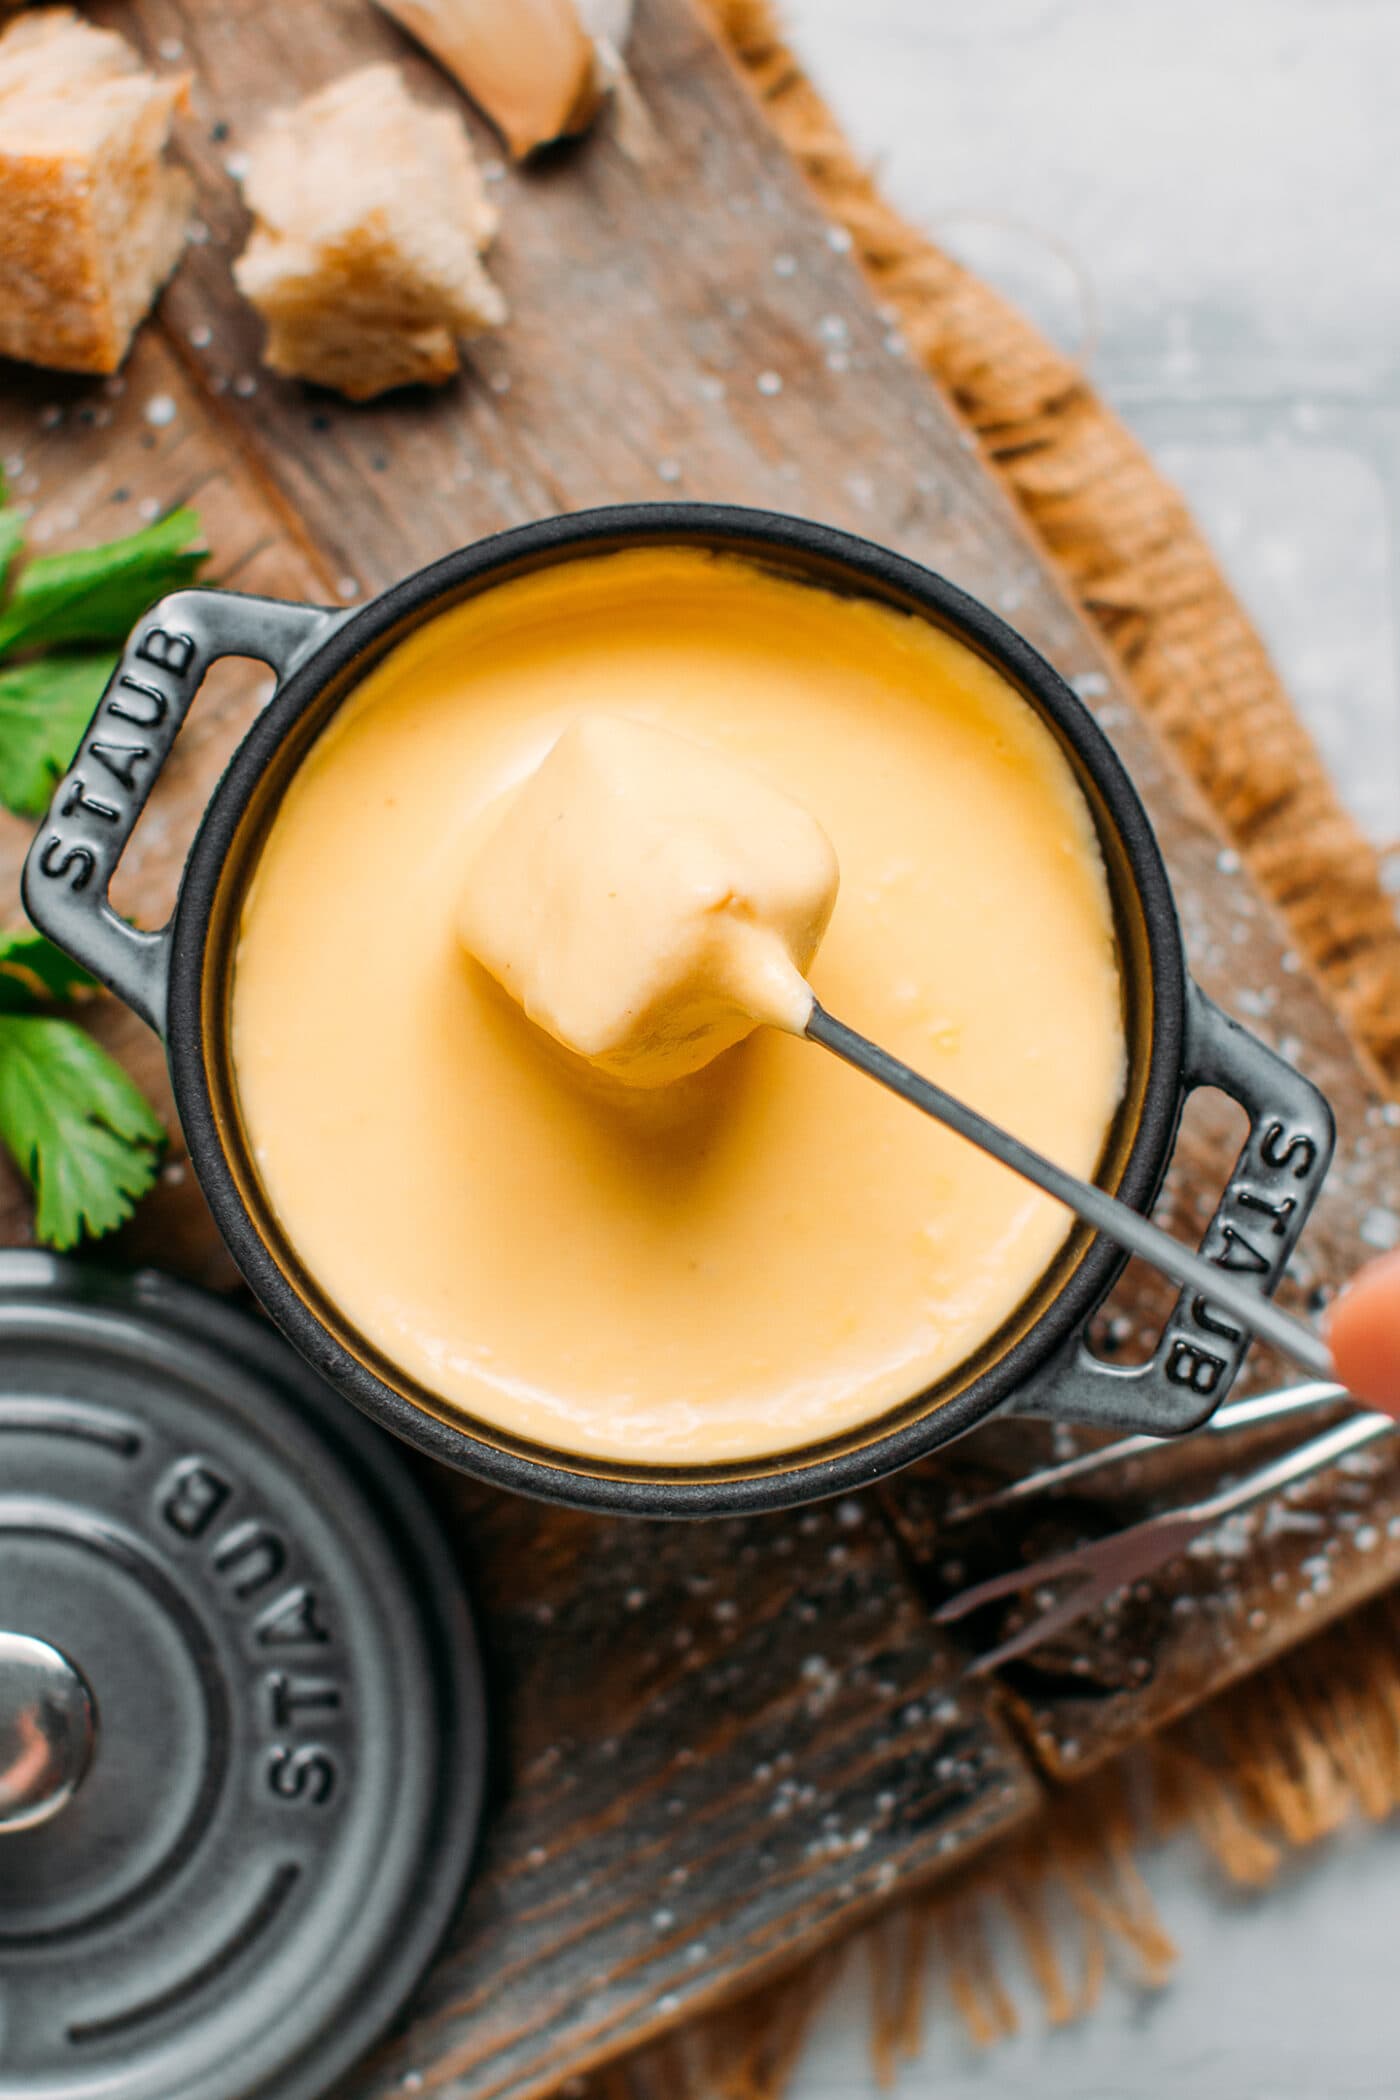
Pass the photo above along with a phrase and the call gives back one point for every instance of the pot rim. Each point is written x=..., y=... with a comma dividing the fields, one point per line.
x=739, y=1487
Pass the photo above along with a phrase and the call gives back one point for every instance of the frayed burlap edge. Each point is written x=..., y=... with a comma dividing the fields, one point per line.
x=1278, y=1762
x=1307, y=1744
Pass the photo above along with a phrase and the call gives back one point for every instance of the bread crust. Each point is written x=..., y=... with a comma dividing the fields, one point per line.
x=92, y=216
x=529, y=64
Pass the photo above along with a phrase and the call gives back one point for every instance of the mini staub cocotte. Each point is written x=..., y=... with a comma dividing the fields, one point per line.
x=764, y=1250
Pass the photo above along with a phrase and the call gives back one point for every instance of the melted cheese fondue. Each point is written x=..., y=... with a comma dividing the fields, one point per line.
x=768, y=1250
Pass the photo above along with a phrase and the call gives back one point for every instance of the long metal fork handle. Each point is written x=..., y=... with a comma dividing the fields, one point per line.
x=1127, y=1228
x=1260, y=1410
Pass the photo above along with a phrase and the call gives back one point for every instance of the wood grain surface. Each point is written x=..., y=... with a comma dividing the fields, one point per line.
x=718, y=1744
x=715, y=1743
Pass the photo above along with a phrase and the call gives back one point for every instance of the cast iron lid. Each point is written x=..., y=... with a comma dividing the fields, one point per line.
x=241, y=1719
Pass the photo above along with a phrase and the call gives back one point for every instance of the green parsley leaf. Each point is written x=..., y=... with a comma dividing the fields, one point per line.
x=97, y=593
x=11, y=536
x=44, y=708
x=81, y=1132
x=32, y=970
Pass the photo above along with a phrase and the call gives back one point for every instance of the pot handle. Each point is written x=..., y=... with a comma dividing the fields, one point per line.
x=1266, y=1203
x=95, y=806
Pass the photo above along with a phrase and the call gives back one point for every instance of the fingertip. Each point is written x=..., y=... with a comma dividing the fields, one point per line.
x=1364, y=1334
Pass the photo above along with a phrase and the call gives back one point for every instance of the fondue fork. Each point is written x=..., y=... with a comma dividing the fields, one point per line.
x=1260, y=1409
x=1126, y=1227
x=1098, y=1570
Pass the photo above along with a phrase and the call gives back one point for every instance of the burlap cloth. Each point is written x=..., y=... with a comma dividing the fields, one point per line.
x=1290, y=1754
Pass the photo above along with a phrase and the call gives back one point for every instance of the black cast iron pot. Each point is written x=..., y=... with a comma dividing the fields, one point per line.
x=178, y=978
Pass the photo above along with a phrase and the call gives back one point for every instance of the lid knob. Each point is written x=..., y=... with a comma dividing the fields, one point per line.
x=46, y=1731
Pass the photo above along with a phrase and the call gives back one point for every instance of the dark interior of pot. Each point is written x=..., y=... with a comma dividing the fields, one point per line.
x=1134, y=1156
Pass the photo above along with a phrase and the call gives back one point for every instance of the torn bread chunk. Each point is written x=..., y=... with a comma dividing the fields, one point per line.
x=365, y=258
x=649, y=901
x=530, y=65
x=92, y=216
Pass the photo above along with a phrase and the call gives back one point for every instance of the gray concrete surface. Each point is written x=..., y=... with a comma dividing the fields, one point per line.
x=1292, y=1995
x=1202, y=199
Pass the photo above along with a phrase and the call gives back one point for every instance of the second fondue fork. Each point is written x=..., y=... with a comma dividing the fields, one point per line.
x=1126, y=1227
x=1101, y=1568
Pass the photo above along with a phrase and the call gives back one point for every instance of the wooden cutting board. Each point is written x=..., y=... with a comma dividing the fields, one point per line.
x=715, y=1744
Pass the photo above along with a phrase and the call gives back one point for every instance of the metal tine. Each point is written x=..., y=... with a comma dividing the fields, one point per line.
x=1105, y=1566
x=1100, y=1567
x=1236, y=1414
x=1300, y=1464
x=1077, y=1561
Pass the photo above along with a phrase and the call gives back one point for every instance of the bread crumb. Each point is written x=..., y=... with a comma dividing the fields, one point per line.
x=92, y=217
x=369, y=221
